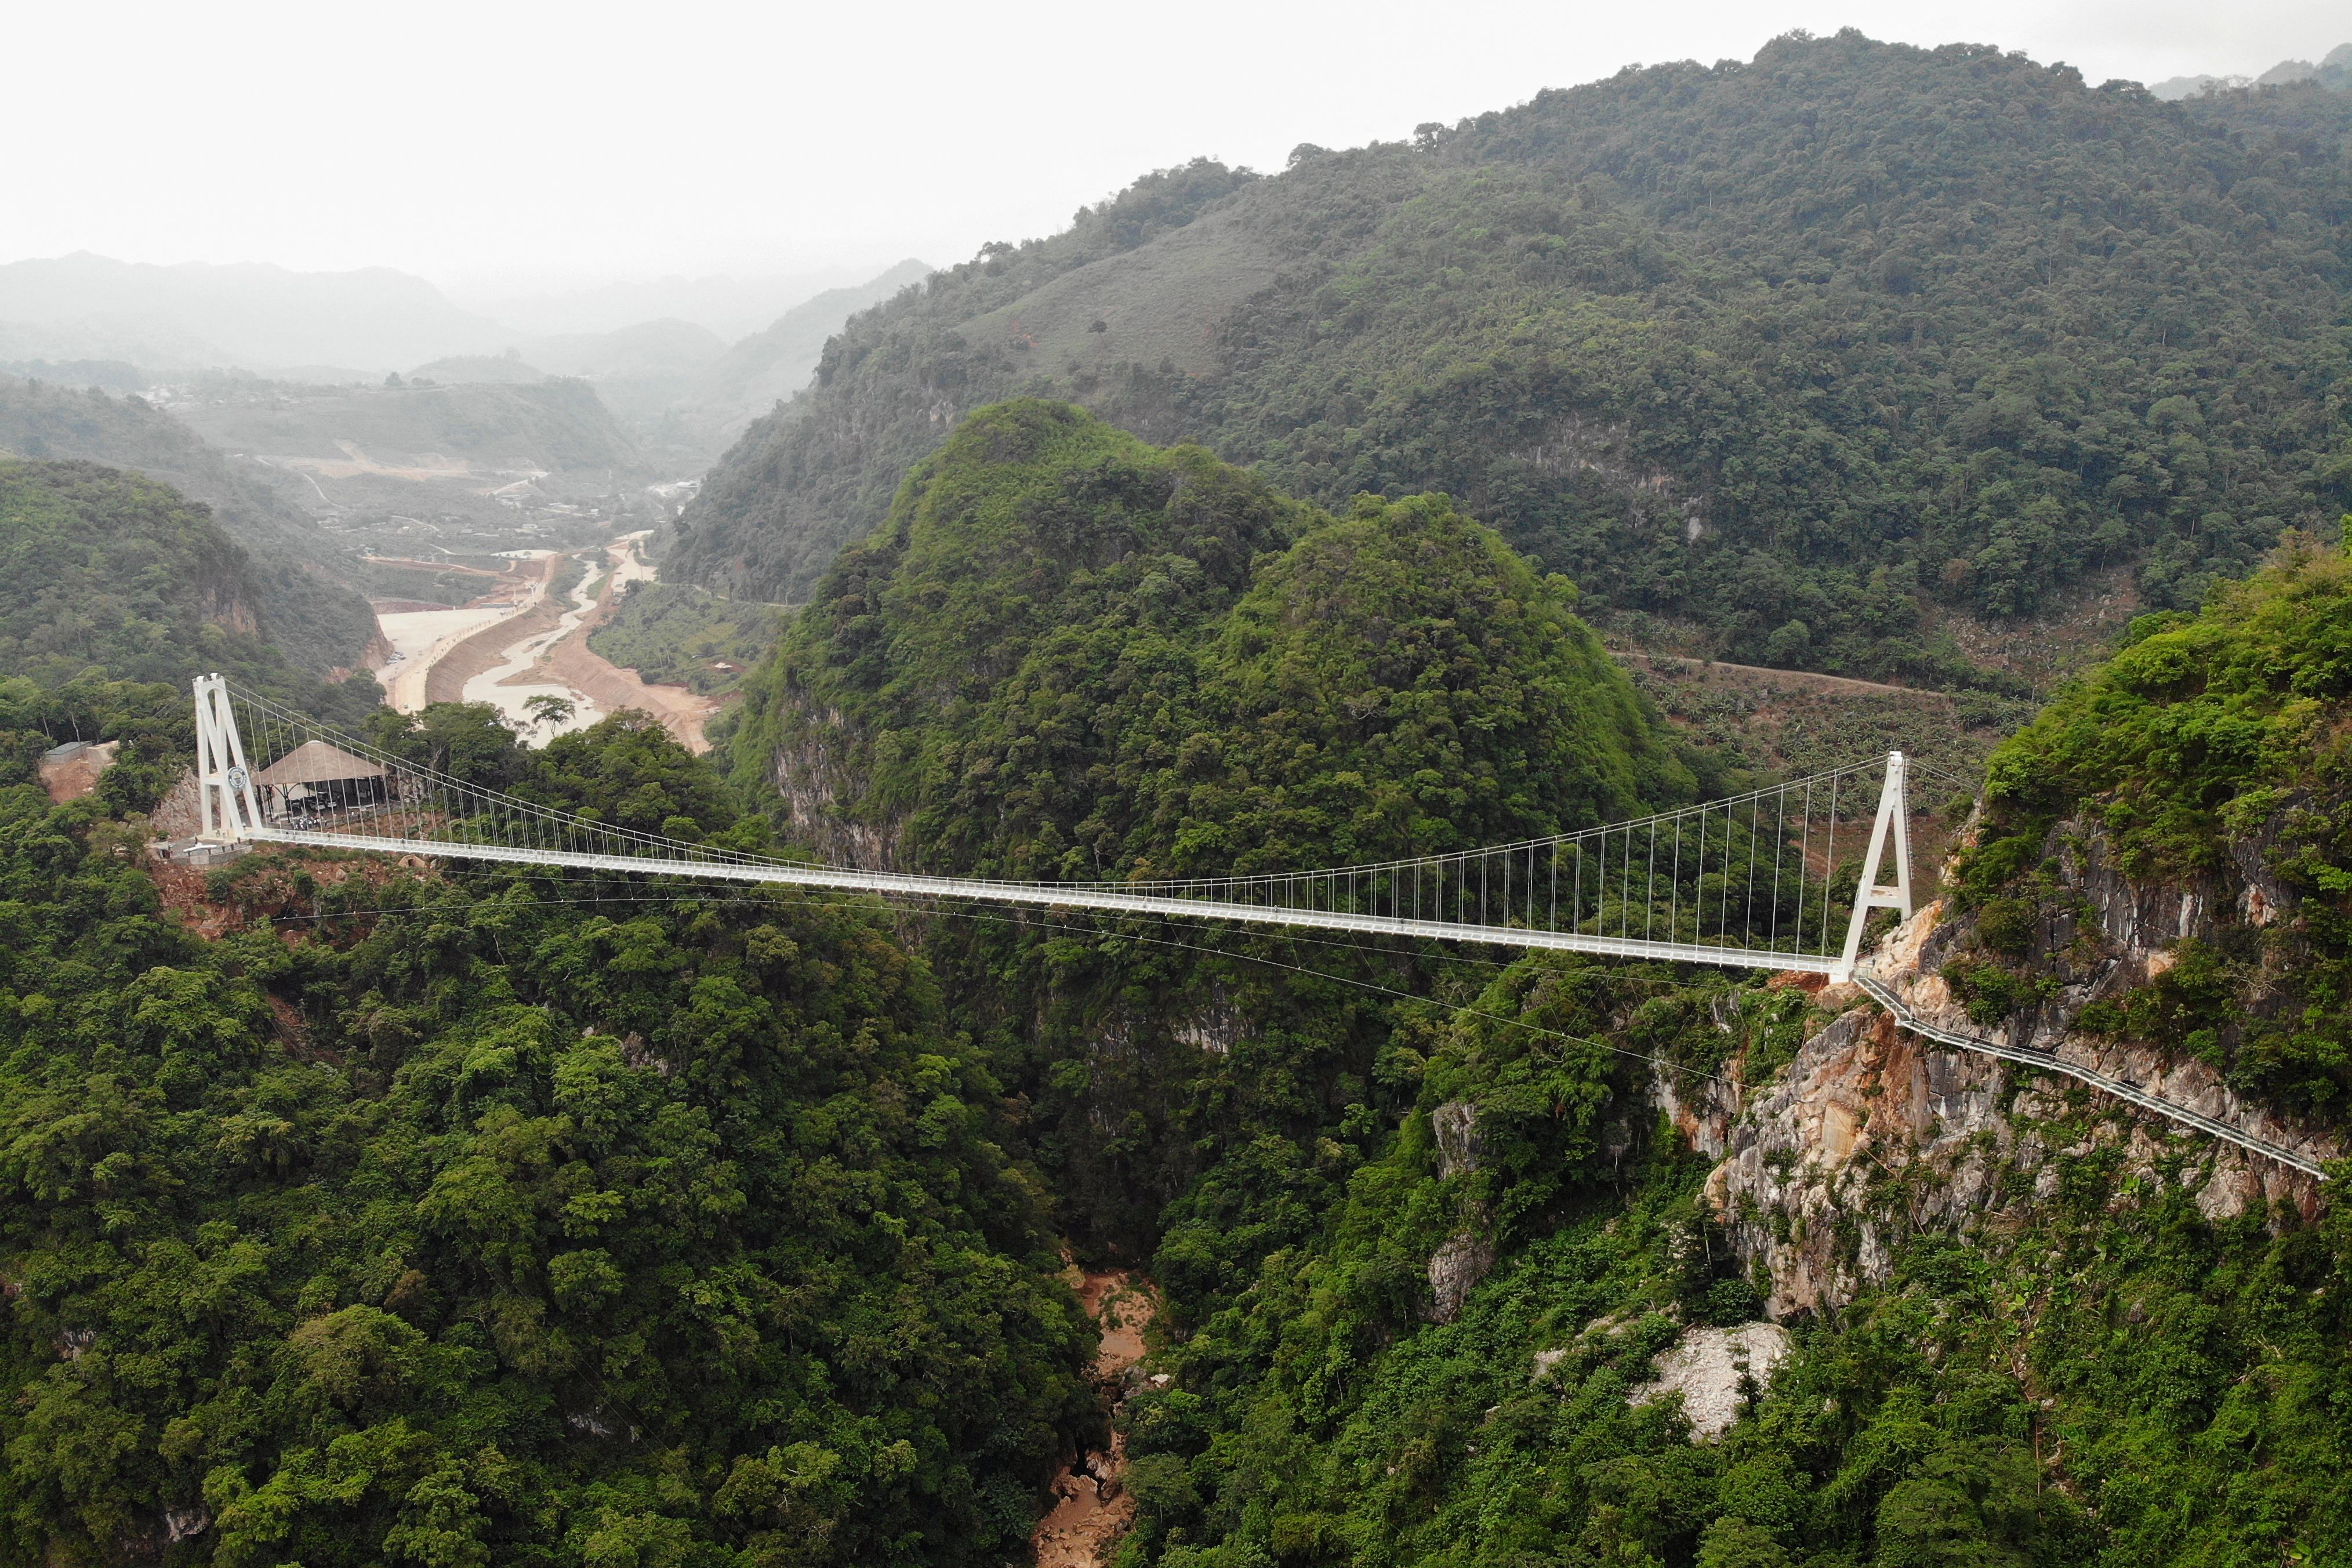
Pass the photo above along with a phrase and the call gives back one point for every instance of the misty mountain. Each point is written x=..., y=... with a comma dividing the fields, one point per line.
x=251, y=314
x=555, y=424
x=639, y=371
x=774, y=364
x=2334, y=72
x=297, y=581
x=683, y=391
x=509, y=369
x=145, y=349
x=727, y=305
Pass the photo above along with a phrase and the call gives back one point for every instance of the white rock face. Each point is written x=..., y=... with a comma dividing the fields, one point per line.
x=1707, y=1367
x=1454, y=1269
x=1455, y=1126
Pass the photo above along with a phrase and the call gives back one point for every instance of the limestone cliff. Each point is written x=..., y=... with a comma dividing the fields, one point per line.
x=1873, y=1132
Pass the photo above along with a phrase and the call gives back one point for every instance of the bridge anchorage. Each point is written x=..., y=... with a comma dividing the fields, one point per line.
x=1785, y=877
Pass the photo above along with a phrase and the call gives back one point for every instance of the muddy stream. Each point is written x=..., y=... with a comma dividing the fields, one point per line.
x=1091, y=1509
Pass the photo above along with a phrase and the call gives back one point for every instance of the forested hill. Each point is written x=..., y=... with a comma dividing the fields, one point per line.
x=106, y=576
x=1794, y=360
x=1071, y=655
x=1423, y=1240
x=314, y=618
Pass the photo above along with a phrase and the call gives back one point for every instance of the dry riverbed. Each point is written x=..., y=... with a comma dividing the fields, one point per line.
x=1091, y=1509
x=521, y=640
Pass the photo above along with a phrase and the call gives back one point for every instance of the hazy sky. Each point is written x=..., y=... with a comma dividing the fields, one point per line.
x=483, y=142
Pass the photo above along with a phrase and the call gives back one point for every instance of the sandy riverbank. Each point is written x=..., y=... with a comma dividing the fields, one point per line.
x=524, y=641
x=469, y=656
x=523, y=672
x=569, y=661
x=420, y=639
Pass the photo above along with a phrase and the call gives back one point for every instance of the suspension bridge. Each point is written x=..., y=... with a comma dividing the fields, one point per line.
x=1787, y=878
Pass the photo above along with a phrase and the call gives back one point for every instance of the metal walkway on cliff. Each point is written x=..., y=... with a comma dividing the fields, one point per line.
x=1785, y=877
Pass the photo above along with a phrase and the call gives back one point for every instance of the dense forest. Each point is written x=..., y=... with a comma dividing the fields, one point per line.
x=404, y=1212
x=2208, y=755
x=371, y=1213
x=105, y=575
x=455, y=1221
x=1265, y=1120
x=683, y=636
x=314, y=618
x=1071, y=655
x=357, y=1213
x=1810, y=360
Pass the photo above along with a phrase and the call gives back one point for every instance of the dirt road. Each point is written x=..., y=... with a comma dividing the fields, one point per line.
x=1674, y=664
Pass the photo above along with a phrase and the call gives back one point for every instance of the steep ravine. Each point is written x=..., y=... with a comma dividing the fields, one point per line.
x=1092, y=1507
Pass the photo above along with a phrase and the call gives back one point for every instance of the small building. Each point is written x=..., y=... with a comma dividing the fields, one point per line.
x=316, y=779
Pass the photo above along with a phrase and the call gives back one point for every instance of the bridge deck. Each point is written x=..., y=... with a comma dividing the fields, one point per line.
x=1052, y=896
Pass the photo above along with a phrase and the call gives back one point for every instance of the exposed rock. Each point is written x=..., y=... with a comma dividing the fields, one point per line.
x=642, y=1056
x=1713, y=1369
x=1872, y=1133
x=1215, y=1027
x=1456, y=1127
x=1454, y=1269
x=594, y=1423
x=1604, y=450
x=2142, y=926
x=179, y=815
x=1091, y=1506
x=812, y=774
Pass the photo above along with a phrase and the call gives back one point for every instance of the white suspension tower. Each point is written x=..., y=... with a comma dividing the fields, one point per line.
x=223, y=782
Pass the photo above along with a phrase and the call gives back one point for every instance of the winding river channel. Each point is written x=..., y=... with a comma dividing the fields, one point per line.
x=517, y=642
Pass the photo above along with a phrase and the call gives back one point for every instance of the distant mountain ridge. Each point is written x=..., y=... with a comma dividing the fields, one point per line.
x=724, y=305
x=254, y=314
x=557, y=424
x=298, y=588
x=107, y=575
x=2333, y=72
x=685, y=391
x=778, y=360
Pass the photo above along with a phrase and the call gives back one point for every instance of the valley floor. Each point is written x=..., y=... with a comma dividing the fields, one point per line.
x=521, y=640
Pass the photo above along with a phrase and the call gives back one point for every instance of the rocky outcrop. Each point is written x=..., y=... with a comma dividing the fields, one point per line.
x=1873, y=1132
x=1717, y=1372
x=2109, y=934
x=1454, y=1269
x=812, y=773
x=1454, y=1125
x=1574, y=444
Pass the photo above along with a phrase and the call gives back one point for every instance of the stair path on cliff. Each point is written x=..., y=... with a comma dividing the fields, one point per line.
x=2045, y=1061
x=1784, y=879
